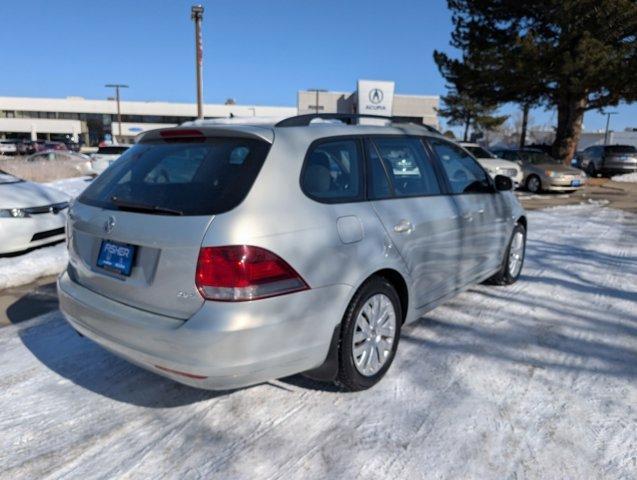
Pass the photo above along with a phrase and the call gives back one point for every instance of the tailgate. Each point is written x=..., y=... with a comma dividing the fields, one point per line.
x=162, y=278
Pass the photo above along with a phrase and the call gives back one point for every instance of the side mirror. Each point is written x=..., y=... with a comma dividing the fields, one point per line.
x=503, y=183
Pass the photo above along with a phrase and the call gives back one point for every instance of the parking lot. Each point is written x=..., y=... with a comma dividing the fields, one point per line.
x=537, y=380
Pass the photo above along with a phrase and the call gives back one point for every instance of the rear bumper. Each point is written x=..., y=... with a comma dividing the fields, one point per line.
x=224, y=345
x=17, y=234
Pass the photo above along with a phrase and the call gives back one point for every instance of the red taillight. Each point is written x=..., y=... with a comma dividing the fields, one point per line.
x=242, y=272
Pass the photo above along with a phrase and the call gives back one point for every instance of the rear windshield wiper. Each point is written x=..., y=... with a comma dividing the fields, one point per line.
x=140, y=207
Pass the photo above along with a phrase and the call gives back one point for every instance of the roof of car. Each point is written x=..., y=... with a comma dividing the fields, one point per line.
x=267, y=130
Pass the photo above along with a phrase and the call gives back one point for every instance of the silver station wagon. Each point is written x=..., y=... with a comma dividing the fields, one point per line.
x=222, y=256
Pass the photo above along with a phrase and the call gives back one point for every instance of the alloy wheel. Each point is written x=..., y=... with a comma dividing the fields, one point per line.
x=374, y=335
x=516, y=254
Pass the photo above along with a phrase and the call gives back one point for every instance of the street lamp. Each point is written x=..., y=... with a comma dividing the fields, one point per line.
x=316, y=90
x=196, y=14
x=608, y=114
x=117, y=86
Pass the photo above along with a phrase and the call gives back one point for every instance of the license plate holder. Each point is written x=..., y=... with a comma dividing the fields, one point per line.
x=116, y=257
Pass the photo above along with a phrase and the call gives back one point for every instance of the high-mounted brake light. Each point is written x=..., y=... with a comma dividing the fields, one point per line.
x=241, y=272
x=180, y=133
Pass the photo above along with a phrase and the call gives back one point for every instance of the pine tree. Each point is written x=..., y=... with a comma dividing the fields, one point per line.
x=463, y=110
x=571, y=55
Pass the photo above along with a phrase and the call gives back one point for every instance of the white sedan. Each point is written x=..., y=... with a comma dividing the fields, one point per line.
x=31, y=214
x=493, y=164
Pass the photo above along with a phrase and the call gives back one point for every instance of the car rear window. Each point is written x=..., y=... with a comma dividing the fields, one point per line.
x=620, y=149
x=202, y=178
x=112, y=150
x=479, y=152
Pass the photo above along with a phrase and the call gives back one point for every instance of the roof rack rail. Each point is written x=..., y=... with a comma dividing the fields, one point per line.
x=347, y=118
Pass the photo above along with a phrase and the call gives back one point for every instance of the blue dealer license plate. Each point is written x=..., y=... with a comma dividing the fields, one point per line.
x=116, y=257
x=576, y=183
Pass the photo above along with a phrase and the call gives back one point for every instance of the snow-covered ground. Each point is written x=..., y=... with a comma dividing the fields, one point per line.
x=27, y=268
x=536, y=380
x=626, y=177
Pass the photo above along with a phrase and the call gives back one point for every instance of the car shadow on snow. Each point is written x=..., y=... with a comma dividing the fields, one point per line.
x=86, y=364
x=26, y=304
x=541, y=332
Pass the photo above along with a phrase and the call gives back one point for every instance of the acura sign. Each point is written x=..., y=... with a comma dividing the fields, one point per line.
x=375, y=98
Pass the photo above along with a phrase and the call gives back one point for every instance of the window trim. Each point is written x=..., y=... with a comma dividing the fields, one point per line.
x=493, y=190
x=362, y=194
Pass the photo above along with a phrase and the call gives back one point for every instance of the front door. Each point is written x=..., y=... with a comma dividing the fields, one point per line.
x=484, y=211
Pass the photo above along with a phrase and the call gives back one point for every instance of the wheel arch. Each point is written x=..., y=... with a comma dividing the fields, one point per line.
x=395, y=278
x=522, y=221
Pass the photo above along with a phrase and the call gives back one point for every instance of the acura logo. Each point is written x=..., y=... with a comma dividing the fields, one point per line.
x=376, y=96
x=109, y=224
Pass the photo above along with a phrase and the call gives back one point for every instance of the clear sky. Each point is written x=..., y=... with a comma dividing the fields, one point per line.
x=257, y=52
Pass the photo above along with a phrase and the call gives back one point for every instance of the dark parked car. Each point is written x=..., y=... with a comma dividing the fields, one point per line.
x=608, y=159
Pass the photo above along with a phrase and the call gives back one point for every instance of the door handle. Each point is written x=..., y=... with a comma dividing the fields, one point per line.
x=404, y=226
x=480, y=212
x=468, y=217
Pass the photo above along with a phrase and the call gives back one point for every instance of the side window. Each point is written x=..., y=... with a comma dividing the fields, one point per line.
x=333, y=171
x=407, y=165
x=464, y=173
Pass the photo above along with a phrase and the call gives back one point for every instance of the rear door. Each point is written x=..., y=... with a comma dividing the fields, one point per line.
x=153, y=208
x=483, y=210
x=419, y=217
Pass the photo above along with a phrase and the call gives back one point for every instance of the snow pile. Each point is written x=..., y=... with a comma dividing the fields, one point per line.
x=535, y=380
x=29, y=267
x=626, y=177
x=71, y=186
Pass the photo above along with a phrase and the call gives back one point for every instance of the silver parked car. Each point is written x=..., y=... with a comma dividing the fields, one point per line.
x=608, y=160
x=222, y=256
x=541, y=172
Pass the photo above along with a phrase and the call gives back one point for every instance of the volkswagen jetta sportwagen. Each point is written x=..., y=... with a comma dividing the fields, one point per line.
x=226, y=255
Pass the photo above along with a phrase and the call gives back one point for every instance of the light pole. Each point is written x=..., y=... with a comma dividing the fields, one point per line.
x=608, y=114
x=317, y=91
x=197, y=15
x=117, y=86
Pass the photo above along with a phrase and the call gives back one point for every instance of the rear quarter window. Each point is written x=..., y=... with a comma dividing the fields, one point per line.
x=333, y=170
x=202, y=178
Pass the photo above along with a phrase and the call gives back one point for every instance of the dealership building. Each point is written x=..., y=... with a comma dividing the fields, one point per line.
x=91, y=121
x=375, y=98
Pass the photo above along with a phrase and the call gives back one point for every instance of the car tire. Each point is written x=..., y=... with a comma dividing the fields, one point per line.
x=591, y=171
x=534, y=184
x=355, y=370
x=510, y=271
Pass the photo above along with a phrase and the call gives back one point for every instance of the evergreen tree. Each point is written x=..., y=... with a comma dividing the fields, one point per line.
x=571, y=55
x=463, y=110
